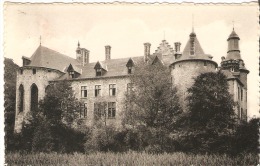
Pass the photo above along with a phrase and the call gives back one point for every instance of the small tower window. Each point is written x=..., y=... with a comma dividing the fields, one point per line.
x=21, y=71
x=205, y=63
x=34, y=71
x=98, y=72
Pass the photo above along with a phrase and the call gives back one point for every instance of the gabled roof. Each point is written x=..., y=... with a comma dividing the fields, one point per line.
x=164, y=53
x=71, y=68
x=130, y=63
x=45, y=57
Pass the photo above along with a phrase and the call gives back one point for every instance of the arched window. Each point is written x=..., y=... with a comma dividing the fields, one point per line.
x=21, y=98
x=34, y=97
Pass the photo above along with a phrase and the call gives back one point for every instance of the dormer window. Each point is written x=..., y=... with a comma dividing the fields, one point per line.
x=98, y=72
x=130, y=66
x=72, y=74
x=129, y=69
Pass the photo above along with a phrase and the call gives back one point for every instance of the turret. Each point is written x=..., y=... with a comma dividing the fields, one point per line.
x=233, y=51
x=82, y=55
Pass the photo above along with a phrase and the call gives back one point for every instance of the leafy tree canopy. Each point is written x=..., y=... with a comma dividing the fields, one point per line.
x=152, y=100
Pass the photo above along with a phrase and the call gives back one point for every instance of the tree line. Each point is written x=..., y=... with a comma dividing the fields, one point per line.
x=153, y=120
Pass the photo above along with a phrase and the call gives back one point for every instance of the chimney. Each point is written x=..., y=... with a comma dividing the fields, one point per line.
x=177, y=50
x=108, y=52
x=177, y=46
x=147, y=47
x=86, y=57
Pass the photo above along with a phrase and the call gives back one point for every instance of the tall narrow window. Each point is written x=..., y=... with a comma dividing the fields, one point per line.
x=85, y=110
x=21, y=98
x=97, y=90
x=241, y=94
x=205, y=63
x=238, y=93
x=111, y=110
x=34, y=97
x=84, y=91
x=98, y=72
x=34, y=71
x=112, y=89
x=21, y=71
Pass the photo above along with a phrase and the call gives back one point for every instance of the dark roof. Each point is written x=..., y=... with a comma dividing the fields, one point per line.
x=113, y=67
x=198, y=51
x=233, y=35
x=45, y=57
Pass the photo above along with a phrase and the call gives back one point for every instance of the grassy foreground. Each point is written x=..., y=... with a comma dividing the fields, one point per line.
x=129, y=158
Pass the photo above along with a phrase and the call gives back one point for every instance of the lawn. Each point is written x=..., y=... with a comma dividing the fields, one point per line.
x=129, y=158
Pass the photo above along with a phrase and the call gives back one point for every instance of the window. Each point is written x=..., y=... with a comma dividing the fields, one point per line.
x=111, y=110
x=232, y=69
x=98, y=72
x=241, y=94
x=34, y=71
x=97, y=90
x=112, y=89
x=238, y=93
x=129, y=70
x=241, y=113
x=83, y=111
x=173, y=66
x=21, y=71
x=84, y=91
x=129, y=87
x=72, y=74
x=205, y=63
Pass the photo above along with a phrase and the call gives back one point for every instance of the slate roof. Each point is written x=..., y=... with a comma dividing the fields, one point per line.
x=45, y=57
x=198, y=54
x=233, y=35
x=114, y=67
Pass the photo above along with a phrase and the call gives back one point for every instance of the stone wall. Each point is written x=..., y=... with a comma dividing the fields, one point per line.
x=41, y=79
x=184, y=73
x=121, y=88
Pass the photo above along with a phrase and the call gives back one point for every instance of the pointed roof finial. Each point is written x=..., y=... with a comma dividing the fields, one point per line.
x=78, y=44
x=192, y=22
x=40, y=40
x=233, y=24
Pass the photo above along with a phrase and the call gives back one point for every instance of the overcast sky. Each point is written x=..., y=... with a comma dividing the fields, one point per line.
x=126, y=27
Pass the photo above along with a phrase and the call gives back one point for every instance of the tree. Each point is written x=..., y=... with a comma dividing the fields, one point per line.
x=152, y=101
x=210, y=121
x=152, y=105
x=58, y=112
x=10, y=72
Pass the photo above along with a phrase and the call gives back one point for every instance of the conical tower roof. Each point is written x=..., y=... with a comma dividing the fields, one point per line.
x=198, y=53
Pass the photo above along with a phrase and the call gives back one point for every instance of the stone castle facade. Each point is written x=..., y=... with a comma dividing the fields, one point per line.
x=108, y=81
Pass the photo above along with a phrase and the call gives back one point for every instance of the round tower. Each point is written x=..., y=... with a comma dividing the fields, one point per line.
x=188, y=66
